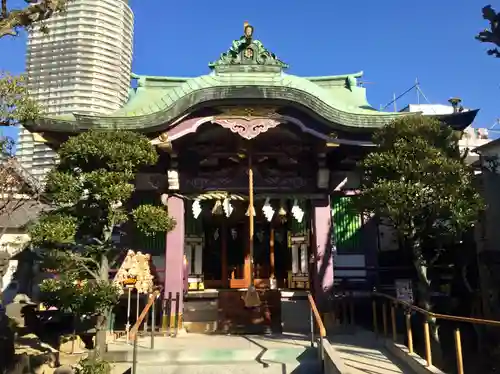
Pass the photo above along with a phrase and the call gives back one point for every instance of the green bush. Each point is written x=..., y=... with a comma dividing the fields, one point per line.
x=93, y=366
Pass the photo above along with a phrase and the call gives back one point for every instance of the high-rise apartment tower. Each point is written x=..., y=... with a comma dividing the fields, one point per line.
x=82, y=65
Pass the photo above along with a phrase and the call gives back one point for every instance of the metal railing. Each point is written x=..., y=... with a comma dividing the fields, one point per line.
x=315, y=320
x=384, y=321
x=391, y=303
x=170, y=322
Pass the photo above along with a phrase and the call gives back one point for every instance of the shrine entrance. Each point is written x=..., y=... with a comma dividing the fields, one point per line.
x=226, y=252
x=247, y=192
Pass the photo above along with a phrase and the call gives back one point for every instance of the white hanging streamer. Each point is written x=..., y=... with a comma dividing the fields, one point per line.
x=196, y=208
x=268, y=210
x=228, y=208
x=297, y=211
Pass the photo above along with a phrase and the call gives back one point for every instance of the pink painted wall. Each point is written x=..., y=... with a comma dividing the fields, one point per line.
x=323, y=279
x=174, y=251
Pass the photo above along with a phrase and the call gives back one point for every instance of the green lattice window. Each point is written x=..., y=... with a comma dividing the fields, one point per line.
x=347, y=222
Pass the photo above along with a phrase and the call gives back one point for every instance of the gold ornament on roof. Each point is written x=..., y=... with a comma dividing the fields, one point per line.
x=163, y=141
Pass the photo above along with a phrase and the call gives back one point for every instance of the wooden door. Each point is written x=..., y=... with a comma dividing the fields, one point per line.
x=237, y=254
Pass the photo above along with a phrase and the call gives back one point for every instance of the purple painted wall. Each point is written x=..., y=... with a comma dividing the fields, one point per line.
x=174, y=251
x=323, y=278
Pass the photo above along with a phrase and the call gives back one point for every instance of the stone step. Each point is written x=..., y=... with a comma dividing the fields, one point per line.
x=307, y=367
x=214, y=355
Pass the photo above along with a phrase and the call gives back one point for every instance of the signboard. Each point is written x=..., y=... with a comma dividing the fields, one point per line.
x=130, y=282
x=404, y=290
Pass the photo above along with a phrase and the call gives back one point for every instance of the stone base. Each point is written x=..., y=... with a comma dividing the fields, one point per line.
x=172, y=322
x=235, y=318
x=201, y=327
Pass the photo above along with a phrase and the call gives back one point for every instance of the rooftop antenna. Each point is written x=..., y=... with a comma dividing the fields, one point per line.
x=394, y=98
x=495, y=126
x=421, y=93
x=417, y=88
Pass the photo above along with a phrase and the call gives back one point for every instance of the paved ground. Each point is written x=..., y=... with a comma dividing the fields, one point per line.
x=283, y=354
x=363, y=354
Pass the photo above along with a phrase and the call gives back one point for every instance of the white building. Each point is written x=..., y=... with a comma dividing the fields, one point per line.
x=82, y=65
x=471, y=138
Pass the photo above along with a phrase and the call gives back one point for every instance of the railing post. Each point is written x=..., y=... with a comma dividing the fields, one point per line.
x=393, y=323
x=427, y=338
x=153, y=325
x=177, y=311
x=374, y=312
x=345, y=318
x=409, y=333
x=134, y=355
x=321, y=354
x=336, y=311
x=169, y=314
x=312, y=326
x=384, y=317
x=351, y=307
x=458, y=350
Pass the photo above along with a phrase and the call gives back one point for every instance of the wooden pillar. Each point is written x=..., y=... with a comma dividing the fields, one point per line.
x=247, y=268
x=224, y=275
x=271, y=253
x=251, y=223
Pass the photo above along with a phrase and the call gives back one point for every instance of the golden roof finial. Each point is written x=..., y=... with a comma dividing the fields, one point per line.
x=247, y=30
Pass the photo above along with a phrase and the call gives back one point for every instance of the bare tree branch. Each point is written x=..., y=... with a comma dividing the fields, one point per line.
x=493, y=34
x=36, y=11
x=82, y=261
x=3, y=12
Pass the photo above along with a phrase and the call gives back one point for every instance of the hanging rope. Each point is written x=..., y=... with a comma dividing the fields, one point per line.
x=215, y=195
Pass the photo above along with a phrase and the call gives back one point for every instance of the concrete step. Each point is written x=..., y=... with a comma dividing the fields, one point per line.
x=209, y=356
x=240, y=368
x=195, y=353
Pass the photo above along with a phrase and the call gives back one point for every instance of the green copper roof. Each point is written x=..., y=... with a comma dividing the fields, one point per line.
x=247, y=71
x=159, y=100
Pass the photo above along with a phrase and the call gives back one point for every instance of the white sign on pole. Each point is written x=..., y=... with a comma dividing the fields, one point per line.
x=404, y=291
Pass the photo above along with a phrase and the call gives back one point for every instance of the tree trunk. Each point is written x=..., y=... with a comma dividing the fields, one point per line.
x=424, y=299
x=100, y=337
x=101, y=324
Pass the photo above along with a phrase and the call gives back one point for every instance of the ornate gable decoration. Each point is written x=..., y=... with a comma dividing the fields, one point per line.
x=248, y=54
x=247, y=122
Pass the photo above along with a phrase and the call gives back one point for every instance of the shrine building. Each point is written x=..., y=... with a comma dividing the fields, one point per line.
x=299, y=138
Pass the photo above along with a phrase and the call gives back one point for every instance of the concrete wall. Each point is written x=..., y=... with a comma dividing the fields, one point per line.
x=333, y=364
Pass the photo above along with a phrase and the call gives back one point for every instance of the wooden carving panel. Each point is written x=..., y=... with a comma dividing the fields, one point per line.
x=248, y=129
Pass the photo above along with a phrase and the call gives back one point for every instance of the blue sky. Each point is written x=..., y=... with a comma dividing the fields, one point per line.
x=393, y=42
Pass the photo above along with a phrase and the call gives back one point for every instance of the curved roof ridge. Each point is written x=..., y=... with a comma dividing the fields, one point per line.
x=328, y=97
x=165, y=101
x=358, y=74
x=159, y=77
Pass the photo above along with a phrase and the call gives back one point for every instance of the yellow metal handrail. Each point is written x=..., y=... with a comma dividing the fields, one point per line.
x=317, y=317
x=448, y=317
x=428, y=353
